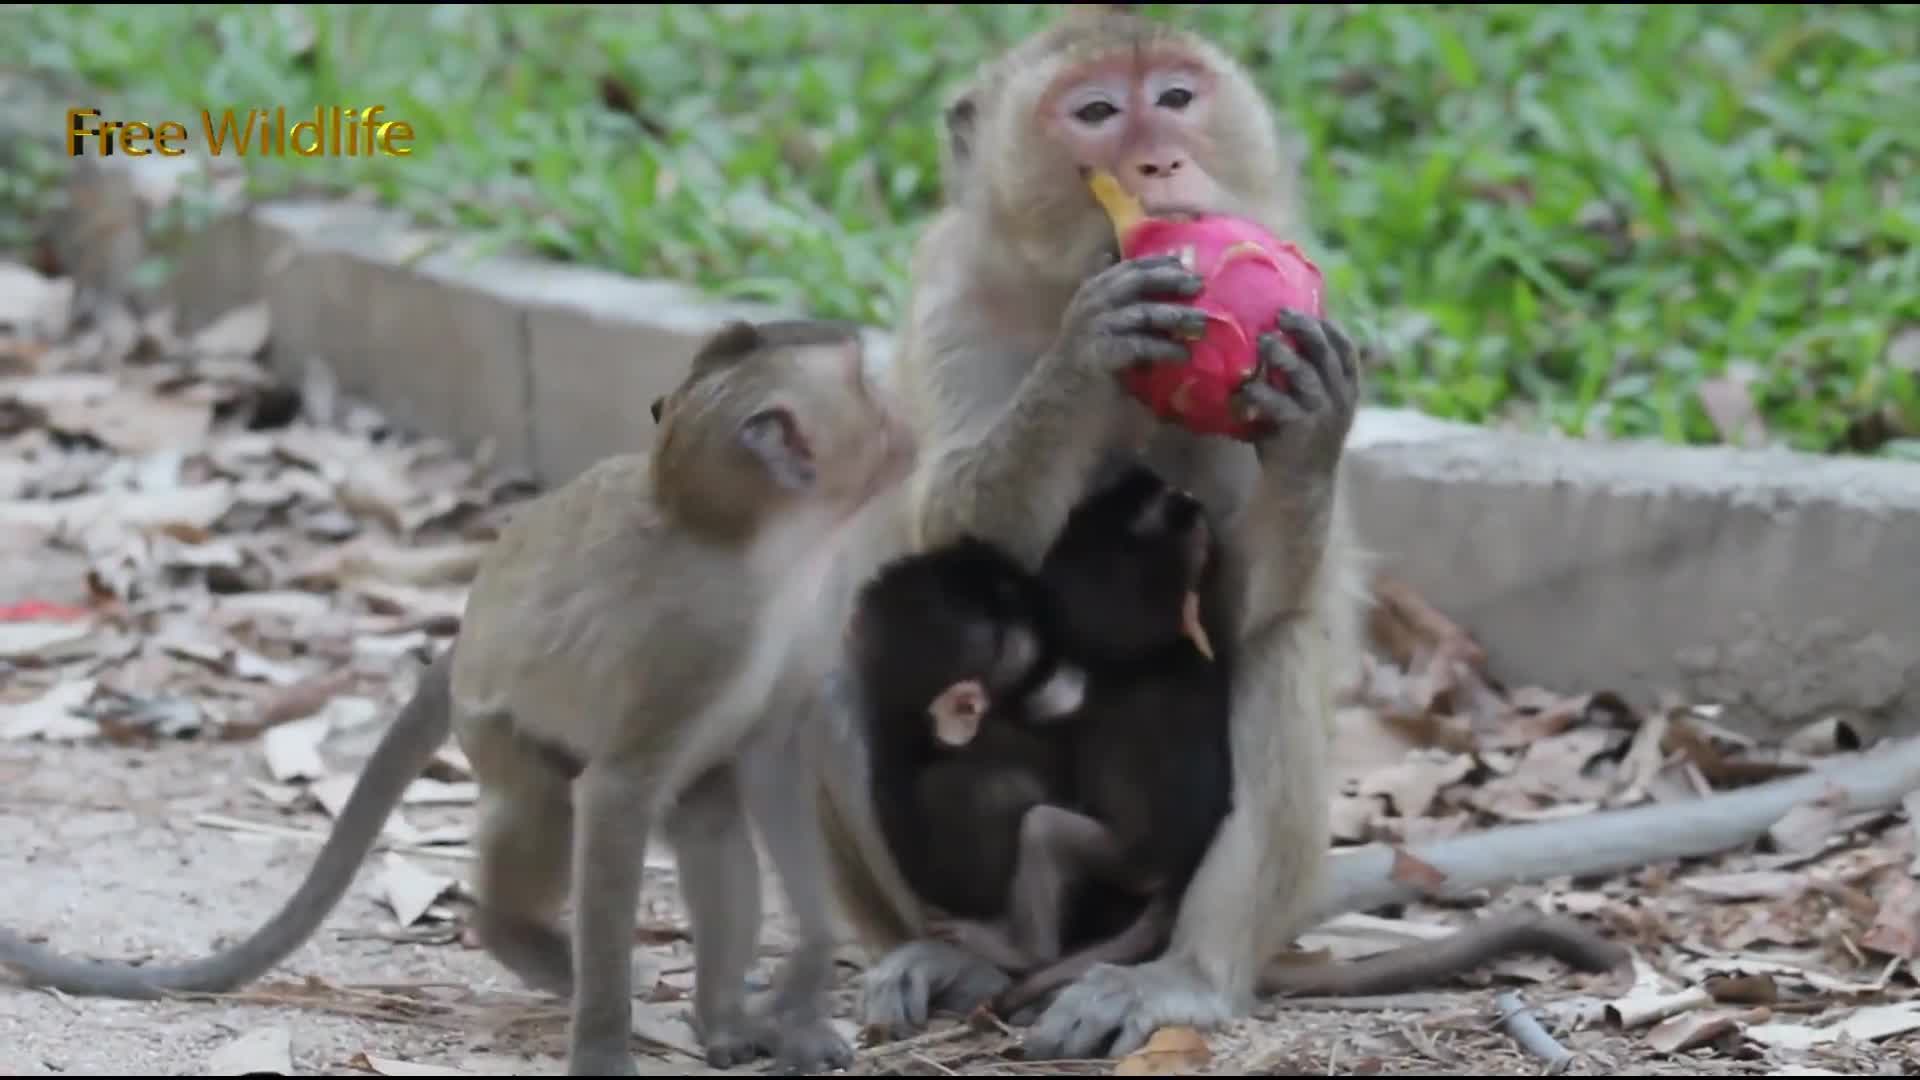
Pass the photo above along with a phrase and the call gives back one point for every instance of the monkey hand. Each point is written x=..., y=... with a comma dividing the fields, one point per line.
x=1304, y=426
x=1112, y=324
x=908, y=983
x=1114, y=1010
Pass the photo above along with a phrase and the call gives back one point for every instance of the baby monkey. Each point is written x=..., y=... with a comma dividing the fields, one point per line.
x=952, y=653
x=1151, y=760
x=1028, y=834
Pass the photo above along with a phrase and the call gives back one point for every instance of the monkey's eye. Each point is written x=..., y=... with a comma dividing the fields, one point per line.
x=1177, y=98
x=1094, y=111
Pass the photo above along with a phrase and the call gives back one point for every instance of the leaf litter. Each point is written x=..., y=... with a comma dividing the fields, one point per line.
x=267, y=562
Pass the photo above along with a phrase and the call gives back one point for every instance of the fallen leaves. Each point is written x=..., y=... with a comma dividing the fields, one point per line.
x=1170, y=1051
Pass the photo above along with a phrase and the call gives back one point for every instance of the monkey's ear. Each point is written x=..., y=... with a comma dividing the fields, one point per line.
x=774, y=437
x=956, y=712
x=962, y=121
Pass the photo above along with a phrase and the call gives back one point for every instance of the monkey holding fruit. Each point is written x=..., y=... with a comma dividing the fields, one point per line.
x=1018, y=327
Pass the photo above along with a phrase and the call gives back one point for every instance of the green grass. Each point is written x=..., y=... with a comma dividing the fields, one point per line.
x=1565, y=216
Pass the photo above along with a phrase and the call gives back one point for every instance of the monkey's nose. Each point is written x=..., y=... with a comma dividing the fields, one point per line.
x=1160, y=168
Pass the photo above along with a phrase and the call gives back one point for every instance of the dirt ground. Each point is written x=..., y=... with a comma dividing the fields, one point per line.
x=214, y=588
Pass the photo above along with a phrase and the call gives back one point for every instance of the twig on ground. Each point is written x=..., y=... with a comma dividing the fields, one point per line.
x=1524, y=1027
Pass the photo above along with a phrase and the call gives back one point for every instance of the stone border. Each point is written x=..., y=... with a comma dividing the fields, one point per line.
x=1785, y=585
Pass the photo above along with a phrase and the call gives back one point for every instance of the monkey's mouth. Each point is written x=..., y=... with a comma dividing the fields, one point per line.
x=1172, y=211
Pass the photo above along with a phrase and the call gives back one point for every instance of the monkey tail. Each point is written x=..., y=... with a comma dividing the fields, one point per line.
x=1429, y=963
x=423, y=724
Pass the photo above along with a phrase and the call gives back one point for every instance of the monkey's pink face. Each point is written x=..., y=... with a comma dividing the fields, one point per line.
x=1145, y=120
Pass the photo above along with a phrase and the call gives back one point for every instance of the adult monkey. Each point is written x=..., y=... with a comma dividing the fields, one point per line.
x=1017, y=323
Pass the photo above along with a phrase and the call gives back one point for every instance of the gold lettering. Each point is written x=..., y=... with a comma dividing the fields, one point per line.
x=228, y=128
x=131, y=138
x=396, y=129
x=170, y=131
x=77, y=130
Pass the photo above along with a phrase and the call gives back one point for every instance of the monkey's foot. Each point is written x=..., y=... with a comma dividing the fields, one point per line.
x=538, y=954
x=899, y=992
x=739, y=1039
x=1113, y=1010
x=808, y=1046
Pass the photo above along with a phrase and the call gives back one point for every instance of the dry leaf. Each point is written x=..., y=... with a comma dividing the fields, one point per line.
x=51, y=716
x=45, y=640
x=293, y=750
x=1414, y=784
x=1752, y=885
x=1171, y=1051
x=1896, y=926
x=427, y=791
x=1861, y=1025
x=33, y=306
x=1806, y=828
x=267, y=1050
x=390, y=1067
x=1354, y=936
x=409, y=890
x=1689, y=1031
x=1643, y=1005
x=1352, y=818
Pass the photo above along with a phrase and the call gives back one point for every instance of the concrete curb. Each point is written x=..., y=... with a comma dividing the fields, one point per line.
x=1786, y=586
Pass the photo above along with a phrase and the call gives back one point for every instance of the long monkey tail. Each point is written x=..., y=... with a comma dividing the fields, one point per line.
x=423, y=724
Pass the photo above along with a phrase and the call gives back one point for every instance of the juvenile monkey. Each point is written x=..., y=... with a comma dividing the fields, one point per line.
x=632, y=651
x=1017, y=321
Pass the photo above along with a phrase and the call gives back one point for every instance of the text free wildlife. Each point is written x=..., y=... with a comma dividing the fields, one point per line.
x=332, y=131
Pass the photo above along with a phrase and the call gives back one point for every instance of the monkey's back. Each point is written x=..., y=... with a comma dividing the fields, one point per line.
x=537, y=636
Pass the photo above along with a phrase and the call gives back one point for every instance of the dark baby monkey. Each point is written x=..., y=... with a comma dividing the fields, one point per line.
x=639, y=647
x=963, y=696
x=1129, y=577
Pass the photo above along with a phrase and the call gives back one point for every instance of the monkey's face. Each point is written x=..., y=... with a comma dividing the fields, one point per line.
x=1175, y=120
x=954, y=634
x=1147, y=115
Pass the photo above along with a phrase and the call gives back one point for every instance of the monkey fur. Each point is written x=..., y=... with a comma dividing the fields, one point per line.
x=1018, y=318
x=1130, y=576
x=633, y=647
x=974, y=805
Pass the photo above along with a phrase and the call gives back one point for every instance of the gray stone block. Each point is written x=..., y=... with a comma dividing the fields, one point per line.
x=601, y=347
x=421, y=328
x=1785, y=586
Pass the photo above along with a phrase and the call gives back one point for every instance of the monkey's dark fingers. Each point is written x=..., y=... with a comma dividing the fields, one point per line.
x=1304, y=384
x=1329, y=351
x=1173, y=320
x=1131, y=282
x=1132, y=350
x=1258, y=400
